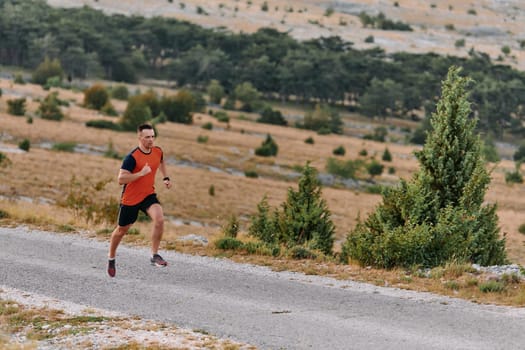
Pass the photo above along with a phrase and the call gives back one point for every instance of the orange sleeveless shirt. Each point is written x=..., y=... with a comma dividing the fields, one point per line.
x=134, y=192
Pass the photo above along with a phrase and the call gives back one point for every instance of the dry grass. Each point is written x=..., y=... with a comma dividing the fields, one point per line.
x=43, y=176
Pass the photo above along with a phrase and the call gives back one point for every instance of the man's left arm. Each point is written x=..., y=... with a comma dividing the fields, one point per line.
x=165, y=178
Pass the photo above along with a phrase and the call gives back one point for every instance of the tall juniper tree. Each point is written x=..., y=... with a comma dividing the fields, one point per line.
x=439, y=216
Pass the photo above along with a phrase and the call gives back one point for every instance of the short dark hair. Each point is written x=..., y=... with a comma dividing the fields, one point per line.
x=144, y=126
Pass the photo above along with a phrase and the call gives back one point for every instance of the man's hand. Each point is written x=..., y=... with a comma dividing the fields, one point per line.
x=146, y=169
x=167, y=182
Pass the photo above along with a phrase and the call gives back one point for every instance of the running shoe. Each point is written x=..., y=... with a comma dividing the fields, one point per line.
x=111, y=268
x=158, y=261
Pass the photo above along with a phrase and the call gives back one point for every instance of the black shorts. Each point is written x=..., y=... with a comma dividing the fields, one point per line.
x=128, y=214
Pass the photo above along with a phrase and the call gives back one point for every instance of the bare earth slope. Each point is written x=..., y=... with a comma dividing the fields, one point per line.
x=485, y=25
x=273, y=310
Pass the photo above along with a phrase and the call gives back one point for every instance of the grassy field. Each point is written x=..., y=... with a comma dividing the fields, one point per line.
x=35, y=183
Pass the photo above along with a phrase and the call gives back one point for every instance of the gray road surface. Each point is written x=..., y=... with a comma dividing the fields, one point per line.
x=251, y=304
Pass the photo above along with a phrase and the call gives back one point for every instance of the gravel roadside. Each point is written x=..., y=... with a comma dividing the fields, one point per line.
x=106, y=329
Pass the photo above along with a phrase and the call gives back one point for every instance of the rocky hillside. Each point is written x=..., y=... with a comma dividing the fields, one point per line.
x=447, y=27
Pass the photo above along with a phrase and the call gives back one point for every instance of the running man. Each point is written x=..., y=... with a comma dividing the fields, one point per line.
x=137, y=174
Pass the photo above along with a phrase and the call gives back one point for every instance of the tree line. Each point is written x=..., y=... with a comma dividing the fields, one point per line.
x=90, y=44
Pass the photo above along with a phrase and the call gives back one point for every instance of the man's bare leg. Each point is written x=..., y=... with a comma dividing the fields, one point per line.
x=156, y=213
x=116, y=237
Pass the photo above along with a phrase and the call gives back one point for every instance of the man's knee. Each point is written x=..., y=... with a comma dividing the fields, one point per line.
x=121, y=230
x=158, y=221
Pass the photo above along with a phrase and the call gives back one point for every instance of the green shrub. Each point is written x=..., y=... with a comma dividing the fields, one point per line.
x=513, y=177
x=64, y=146
x=95, y=97
x=299, y=252
x=4, y=214
x=268, y=148
x=374, y=189
x=511, y=278
x=53, y=82
x=134, y=231
x=492, y=287
x=120, y=92
x=103, y=124
x=222, y=116
x=363, y=152
x=228, y=243
x=322, y=119
x=519, y=155
x=25, y=145
x=309, y=140
x=207, y=126
x=19, y=79
x=202, y=139
x=489, y=151
x=339, y=151
x=374, y=168
x=49, y=108
x=211, y=190
x=459, y=43
x=109, y=109
x=251, y=173
x=324, y=131
x=454, y=285
x=270, y=116
x=261, y=248
x=159, y=119
x=387, y=156
x=231, y=229
x=17, y=106
x=521, y=229
x=346, y=169
x=471, y=282
x=264, y=224
x=380, y=133
x=4, y=160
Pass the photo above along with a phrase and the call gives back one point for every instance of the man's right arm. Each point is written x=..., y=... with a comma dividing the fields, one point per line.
x=125, y=176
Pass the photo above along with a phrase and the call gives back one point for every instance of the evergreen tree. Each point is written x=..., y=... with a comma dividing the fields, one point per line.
x=439, y=216
x=263, y=225
x=305, y=218
x=268, y=148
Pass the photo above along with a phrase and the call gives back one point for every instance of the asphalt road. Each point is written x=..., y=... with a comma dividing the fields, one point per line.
x=272, y=310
